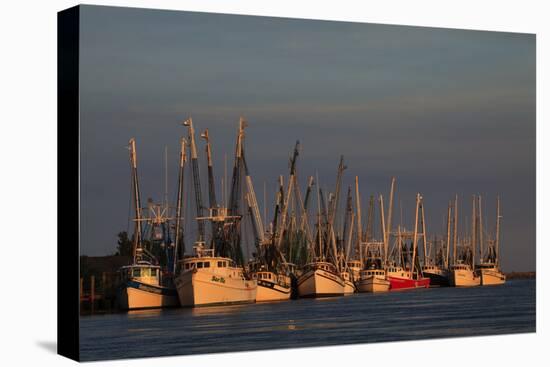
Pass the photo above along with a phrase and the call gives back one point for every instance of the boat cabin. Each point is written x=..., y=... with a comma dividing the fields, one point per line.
x=461, y=266
x=398, y=271
x=373, y=272
x=322, y=265
x=142, y=272
x=487, y=265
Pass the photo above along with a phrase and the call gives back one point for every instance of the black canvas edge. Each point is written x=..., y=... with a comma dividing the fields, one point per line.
x=68, y=209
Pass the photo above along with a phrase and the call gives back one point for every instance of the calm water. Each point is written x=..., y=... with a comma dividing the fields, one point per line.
x=360, y=318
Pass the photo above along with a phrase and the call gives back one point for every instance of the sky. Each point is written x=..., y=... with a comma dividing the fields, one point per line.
x=445, y=111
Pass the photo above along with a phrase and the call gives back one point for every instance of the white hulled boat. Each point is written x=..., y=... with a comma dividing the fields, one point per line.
x=142, y=288
x=272, y=286
x=320, y=279
x=462, y=275
x=373, y=280
x=206, y=280
x=490, y=274
x=488, y=270
x=142, y=284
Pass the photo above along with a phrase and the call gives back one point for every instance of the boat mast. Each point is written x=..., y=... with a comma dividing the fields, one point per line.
x=448, y=235
x=359, y=222
x=370, y=219
x=427, y=258
x=390, y=210
x=319, y=227
x=480, y=229
x=455, y=229
x=137, y=199
x=179, y=199
x=415, y=238
x=256, y=217
x=348, y=223
x=196, y=176
x=211, y=186
x=286, y=201
x=497, y=240
x=383, y=225
x=333, y=209
x=473, y=229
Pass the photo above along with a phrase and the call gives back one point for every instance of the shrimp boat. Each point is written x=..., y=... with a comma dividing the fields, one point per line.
x=462, y=272
x=215, y=274
x=143, y=288
x=209, y=280
x=462, y=275
x=488, y=270
x=373, y=277
x=320, y=279
x=142, y=283
x=409, y=277
x=438, y=277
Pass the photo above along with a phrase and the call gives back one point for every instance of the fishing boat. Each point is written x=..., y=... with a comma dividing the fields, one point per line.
x=209, y=280
x=462, y=275
x=142, y=288
x=142, y=283
x=402, y=278
x=215, y=274
x=408, y=274
x=373, y=280
x=320, y=279
x=488, y=270
x=272, y=286
x=438, y=277
x=373, y=277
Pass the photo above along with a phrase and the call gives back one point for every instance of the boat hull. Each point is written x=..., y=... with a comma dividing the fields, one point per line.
x=492, y=277
x=398, y=283
x=437, y=280
x=464, y=278
x=373, y=284
x=320, y=283
x=269, y=291
x=205, y=288
x=136, y=295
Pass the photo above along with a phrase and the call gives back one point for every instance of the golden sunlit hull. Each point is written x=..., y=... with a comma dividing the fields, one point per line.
x=464, y=278
x=492, y=277
x=373, y=284
x=205, y=288
x=268, y=291
x=320, y=283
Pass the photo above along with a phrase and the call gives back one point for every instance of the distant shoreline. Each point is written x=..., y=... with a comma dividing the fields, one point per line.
x=521, y=275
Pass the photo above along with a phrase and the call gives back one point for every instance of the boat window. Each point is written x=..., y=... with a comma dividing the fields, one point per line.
x=153, y=273
x=199, y=264
x=207, y=264
x=136, y=272
x=220, y=264
x=269, y=276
